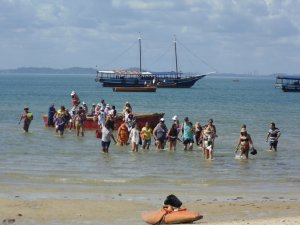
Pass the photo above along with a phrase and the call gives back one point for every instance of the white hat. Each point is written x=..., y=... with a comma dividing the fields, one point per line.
x=99, y=104
x=162, y=119
x=73, y=93
x=243, y=130
x=174, y=117
x=107, y=105
x=93, y=104
x=83, y=103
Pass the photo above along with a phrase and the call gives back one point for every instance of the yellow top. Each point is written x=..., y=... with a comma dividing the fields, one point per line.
x=147, y=133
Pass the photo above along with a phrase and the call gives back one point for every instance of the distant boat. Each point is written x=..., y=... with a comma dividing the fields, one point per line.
x=123, y=78
x=134, y=89
x=288, y=83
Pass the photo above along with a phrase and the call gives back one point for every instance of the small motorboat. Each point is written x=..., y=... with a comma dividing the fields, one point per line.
x=134, y=89
x=167, y=216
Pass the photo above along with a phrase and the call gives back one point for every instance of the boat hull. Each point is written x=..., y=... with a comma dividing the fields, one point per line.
x=291, y=88
x=134, y=89
x=185, y=82
x=141, y=118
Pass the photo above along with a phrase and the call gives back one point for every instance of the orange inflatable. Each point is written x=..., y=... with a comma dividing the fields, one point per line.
x=166, y=216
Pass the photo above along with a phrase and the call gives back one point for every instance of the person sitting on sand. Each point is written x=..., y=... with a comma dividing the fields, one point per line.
x=244, y=143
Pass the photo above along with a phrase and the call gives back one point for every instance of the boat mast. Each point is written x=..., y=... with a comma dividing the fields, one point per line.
x=140, y=47
x=175, y=47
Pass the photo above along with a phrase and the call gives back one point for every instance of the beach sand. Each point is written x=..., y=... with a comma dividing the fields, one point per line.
x=48, y=210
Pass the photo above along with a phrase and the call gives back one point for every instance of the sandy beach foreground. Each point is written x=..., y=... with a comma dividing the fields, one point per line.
x=19, y=210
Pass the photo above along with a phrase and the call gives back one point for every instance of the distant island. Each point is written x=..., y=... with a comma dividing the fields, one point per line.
x=92, y=71
x=47, y=70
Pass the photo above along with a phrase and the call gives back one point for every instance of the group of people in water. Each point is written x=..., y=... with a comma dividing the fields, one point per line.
x=129, y=131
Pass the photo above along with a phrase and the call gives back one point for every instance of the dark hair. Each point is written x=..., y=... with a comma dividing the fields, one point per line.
x=172, y=200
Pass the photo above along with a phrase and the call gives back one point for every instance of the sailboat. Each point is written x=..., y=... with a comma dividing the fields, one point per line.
x=124, y=78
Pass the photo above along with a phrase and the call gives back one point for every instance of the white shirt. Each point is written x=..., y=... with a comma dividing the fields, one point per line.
x=101, y=118
x=134, y=135
x=106, y=134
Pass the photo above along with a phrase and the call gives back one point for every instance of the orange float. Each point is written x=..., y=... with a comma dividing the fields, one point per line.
x=166, y=216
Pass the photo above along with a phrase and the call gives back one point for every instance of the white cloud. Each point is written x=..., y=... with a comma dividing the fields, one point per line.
x=143, y=4
x=49, y=12
x=226, y=33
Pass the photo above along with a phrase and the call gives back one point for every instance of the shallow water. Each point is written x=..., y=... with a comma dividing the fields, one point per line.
x=41, y=159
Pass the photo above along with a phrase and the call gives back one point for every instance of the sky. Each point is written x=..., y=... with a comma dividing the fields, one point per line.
x=227, y=36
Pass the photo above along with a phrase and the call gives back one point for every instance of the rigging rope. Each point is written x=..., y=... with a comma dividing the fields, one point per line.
x=120, y=55
x=204, y=62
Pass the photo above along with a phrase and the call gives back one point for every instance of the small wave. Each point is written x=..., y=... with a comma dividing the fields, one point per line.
x=115, y=181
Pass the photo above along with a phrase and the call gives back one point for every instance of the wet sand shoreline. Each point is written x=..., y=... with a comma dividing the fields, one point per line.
x=118, y=210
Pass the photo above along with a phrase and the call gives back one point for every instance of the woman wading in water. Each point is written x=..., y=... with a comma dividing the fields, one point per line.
x=244, y=143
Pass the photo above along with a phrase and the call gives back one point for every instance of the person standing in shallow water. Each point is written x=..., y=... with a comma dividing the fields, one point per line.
x=107, y=135
x=188, y=134
x=134, y=137
x=273, y=136
x=160, y=134
x=172, y=137
x=245, y=143
x=51, y=113
x=27, y=117
x=146, y=135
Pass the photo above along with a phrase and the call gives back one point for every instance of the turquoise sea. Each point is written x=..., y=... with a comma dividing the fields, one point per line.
x=42, y=161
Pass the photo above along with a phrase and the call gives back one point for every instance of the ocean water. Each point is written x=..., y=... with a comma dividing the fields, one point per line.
x=72, y=165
